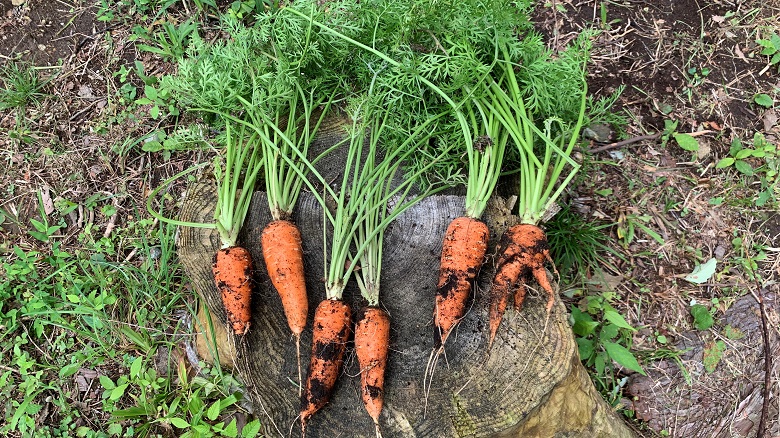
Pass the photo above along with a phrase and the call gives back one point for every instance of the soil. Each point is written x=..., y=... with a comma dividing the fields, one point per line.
x=692, y=62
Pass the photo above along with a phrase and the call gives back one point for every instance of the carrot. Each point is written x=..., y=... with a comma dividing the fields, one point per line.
x=372, y=341
x=329, y=338
x=462, y=254
x=523, y=251
x=232, y=270
x=283, y=255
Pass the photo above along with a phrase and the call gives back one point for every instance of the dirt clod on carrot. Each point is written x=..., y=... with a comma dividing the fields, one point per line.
x=523, y=250
x=372, y=343
x=462, y=255
x=331, y=329
x=232, y=270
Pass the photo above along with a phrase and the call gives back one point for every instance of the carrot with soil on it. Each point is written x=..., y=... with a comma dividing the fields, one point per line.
x=232, y=267
x=289, y=134
x=236, y=170
x=523, y=249
x=361, y=215
x=372, y=344
x=372, y=329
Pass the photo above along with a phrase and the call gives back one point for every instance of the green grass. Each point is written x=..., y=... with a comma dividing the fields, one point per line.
x=80, y=333
x=22, y=86
x=578, y=246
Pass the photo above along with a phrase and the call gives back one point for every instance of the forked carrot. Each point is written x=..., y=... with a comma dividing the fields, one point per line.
x=523, y=252
x=544, y=156
x=330, y=332
x=232, y=270
x=372, y=342
x=463, y=252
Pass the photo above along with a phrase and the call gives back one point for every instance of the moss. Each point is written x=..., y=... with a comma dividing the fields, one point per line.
x=462, y=422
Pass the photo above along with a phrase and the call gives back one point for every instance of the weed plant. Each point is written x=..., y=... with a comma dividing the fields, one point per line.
x=80, y=333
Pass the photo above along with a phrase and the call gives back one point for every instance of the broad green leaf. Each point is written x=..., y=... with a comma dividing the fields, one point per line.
x=154, y=112
x=623, y=357
x=744, y=153
x=38, y=225
x=601, y=362
x=585, y=347
x=106, y=382
x=764, y=100
x=69, y=370
x=150, y=92
x=608, y=332
x=118, y=392
x=115, y=429
x=744, y=167
x=702, y=273
x=231, y=431
x=762, y=198
x=617, y=319
x=213, y=411
x=251, y=429
x=73, y=298
x=725, y=162
x=775, y=39
x=229, y=400
x=687, y=142
x=702, y=319
x=135, y=367
x=152, y=146
x=180, y=423
x=736, y=146
x=583, y=323
x=174, y=405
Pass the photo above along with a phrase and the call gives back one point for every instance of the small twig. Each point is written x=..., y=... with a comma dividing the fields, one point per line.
x=13, y=370
x=626, y=142
x=642, y=138
x=759, y=296
x=87, y=38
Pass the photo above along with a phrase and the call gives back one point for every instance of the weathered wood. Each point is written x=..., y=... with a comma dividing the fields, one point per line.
x=531, y=383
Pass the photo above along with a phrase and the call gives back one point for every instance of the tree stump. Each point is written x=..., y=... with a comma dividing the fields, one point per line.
x=531, y=383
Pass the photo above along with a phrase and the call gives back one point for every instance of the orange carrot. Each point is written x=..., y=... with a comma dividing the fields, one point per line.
x=462, y=255
x=372, y=342
x=329, y=338
x=232, y=270
x=523, y=251
x=283, y=255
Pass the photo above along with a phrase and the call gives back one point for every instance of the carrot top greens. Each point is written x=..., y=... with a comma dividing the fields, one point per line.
x=234, y=185
x=369, y=185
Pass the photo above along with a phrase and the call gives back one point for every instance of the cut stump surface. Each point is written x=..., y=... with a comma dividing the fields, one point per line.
x=531, y=383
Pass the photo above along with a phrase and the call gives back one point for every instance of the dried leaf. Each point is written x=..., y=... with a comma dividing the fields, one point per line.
x=770, y=120
x=48, y=204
